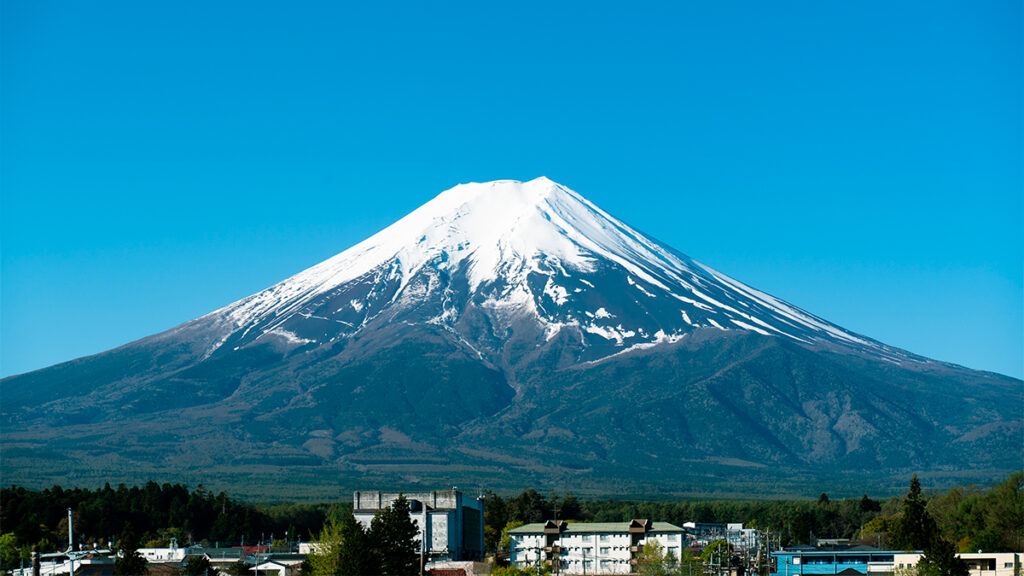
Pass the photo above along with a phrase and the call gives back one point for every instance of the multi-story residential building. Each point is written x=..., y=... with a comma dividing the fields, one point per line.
x=590, y=547
x=451, y=525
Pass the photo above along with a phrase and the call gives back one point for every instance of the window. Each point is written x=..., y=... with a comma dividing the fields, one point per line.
x=1007, y=564
x=605, y=537
x=605, y=550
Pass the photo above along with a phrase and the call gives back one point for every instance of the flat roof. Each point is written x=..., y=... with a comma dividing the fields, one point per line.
x=594, y=528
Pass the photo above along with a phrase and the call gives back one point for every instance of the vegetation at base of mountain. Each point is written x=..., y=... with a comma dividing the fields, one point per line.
x=970, y=518
x=157, y=513
x=388, y=547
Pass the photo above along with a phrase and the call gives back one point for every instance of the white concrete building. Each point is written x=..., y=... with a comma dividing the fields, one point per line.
x=451, y=525
x=97, y=561
x=978, y=563
x=590, y=547
x=277, y=567
x=172, y=553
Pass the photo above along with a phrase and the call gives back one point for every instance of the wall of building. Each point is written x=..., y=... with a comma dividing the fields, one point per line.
x=589, y=552
x=978, y=563
x=450, y=525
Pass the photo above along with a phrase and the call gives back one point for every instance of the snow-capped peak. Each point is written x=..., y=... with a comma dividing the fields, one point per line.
x=504, y=233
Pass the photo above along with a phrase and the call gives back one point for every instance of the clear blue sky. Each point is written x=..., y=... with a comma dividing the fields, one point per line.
x=862, y=160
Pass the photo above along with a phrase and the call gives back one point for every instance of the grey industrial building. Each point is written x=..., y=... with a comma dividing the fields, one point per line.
x=451, y=525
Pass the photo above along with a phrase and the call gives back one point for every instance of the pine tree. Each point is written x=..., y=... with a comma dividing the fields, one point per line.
x=129, y=562
x=354, y=555
x=940, y=560
x=393, y=537
x=914, y=529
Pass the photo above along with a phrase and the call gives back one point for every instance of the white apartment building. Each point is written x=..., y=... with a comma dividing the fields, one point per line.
x=590, y=547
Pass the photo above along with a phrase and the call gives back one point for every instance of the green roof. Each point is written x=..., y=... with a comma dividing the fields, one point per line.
x=594, y=528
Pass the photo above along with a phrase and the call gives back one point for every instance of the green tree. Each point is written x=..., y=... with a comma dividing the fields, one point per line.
x=529, y=506
x=494, y=518
x=354, y=557
x=690, y=565
x=240, y=568
x=129, y=562
x=914, y=529
x=716, y=549
x=324, y=559
x=570, y=508
x=196, y=565
x=10, y=555
x=393, y=538
x=940, y=560
x=1004, y=512
x=505, y=541
x=651, y=560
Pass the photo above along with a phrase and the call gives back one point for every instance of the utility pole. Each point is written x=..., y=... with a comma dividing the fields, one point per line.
x=71, y=545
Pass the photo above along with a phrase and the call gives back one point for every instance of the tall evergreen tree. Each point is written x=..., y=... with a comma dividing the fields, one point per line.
x=355, y=557
x=940, y=560
x=914, y=529
x=129, y=562
x=394, y=538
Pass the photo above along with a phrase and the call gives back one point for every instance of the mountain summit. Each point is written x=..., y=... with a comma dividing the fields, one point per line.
x=520, y=252
x=503, y=333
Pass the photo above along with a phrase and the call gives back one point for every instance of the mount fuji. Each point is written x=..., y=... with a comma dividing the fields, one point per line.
x=509, y=333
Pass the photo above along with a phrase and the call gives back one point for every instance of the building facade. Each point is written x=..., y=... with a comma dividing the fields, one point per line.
x=866, y=560
x=451, y=525
x=590, y=547
x=848, y=561
x=978, y=563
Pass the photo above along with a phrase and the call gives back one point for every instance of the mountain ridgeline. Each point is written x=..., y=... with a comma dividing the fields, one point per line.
x=505, y=334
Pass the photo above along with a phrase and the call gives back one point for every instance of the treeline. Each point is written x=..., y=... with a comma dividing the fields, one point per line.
x=156, y=512
x=973, y=518
x=970, y=518
x=793, y=520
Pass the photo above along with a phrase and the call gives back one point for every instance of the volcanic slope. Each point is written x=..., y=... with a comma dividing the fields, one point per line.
x=509, y=333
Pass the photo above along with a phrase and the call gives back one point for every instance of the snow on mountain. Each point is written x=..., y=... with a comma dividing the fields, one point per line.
x=499, y=240
x=509, y=333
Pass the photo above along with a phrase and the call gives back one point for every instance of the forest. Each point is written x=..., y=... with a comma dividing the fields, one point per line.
x=971, y=518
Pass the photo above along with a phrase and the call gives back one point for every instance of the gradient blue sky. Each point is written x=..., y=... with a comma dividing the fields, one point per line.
x=862, y=160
